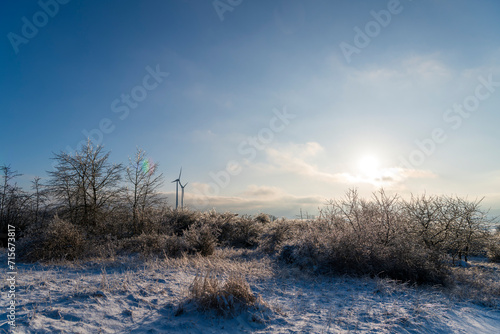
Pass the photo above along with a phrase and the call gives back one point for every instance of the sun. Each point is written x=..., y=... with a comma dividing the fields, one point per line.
x=369, y=165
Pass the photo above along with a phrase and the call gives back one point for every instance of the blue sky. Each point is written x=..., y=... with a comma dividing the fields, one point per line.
x=271, y=106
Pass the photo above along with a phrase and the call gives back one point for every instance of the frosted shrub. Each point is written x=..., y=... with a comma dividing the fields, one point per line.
x=180, y=220
x=360, y=237
x=155, y=245
x=262, y=218
x=493, y=249
x=241, y=232
x=278, y=232
x=201, y=238
x=59, y=240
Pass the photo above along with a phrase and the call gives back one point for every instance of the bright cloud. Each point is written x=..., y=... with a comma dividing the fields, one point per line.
x=298, y=159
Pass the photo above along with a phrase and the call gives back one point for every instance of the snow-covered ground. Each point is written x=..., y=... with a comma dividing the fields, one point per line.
x=128, y=295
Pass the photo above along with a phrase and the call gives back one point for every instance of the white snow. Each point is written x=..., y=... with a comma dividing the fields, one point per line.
x=128, y=296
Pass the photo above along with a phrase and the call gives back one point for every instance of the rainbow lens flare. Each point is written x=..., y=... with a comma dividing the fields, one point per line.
x=148, y=166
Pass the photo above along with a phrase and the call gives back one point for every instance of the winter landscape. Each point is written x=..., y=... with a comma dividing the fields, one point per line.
x=136, y=295
x=237, y=166
x=101, y=258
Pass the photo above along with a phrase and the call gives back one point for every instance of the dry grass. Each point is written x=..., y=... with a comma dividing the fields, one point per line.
x=493, y=249
x=211, y=293
x=479, y=283
x=227, y=297
x=246, y=262
x=220, y=284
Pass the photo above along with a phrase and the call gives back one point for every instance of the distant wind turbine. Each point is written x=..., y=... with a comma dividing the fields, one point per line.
x=182, y=194
x=177, y=181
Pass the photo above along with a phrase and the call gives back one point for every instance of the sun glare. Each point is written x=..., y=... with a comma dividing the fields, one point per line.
x=369, y=166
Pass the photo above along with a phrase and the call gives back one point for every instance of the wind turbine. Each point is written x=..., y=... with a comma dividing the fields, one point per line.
x=177, y=181
x=182, y=194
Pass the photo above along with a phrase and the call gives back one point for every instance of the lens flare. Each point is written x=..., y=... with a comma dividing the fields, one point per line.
x=148, y=166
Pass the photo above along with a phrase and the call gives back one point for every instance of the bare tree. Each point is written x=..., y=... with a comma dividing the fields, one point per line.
x=14, y=202
x=7, y=190
x=468, y=231
x=141, y=173
x=386, y=216
x=452, y=225
x=86, y=184
x=39, y=200
x=347, y=213
x=429, y=218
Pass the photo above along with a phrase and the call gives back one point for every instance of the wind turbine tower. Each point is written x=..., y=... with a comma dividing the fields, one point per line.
x=182, y=194
x=177, y=181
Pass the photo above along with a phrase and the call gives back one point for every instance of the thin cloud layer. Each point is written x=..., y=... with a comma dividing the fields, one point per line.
x=297, y=159
x=254, y=199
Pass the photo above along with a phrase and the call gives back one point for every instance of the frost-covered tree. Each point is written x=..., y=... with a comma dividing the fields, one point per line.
x=85, y=185
x=144, y=180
